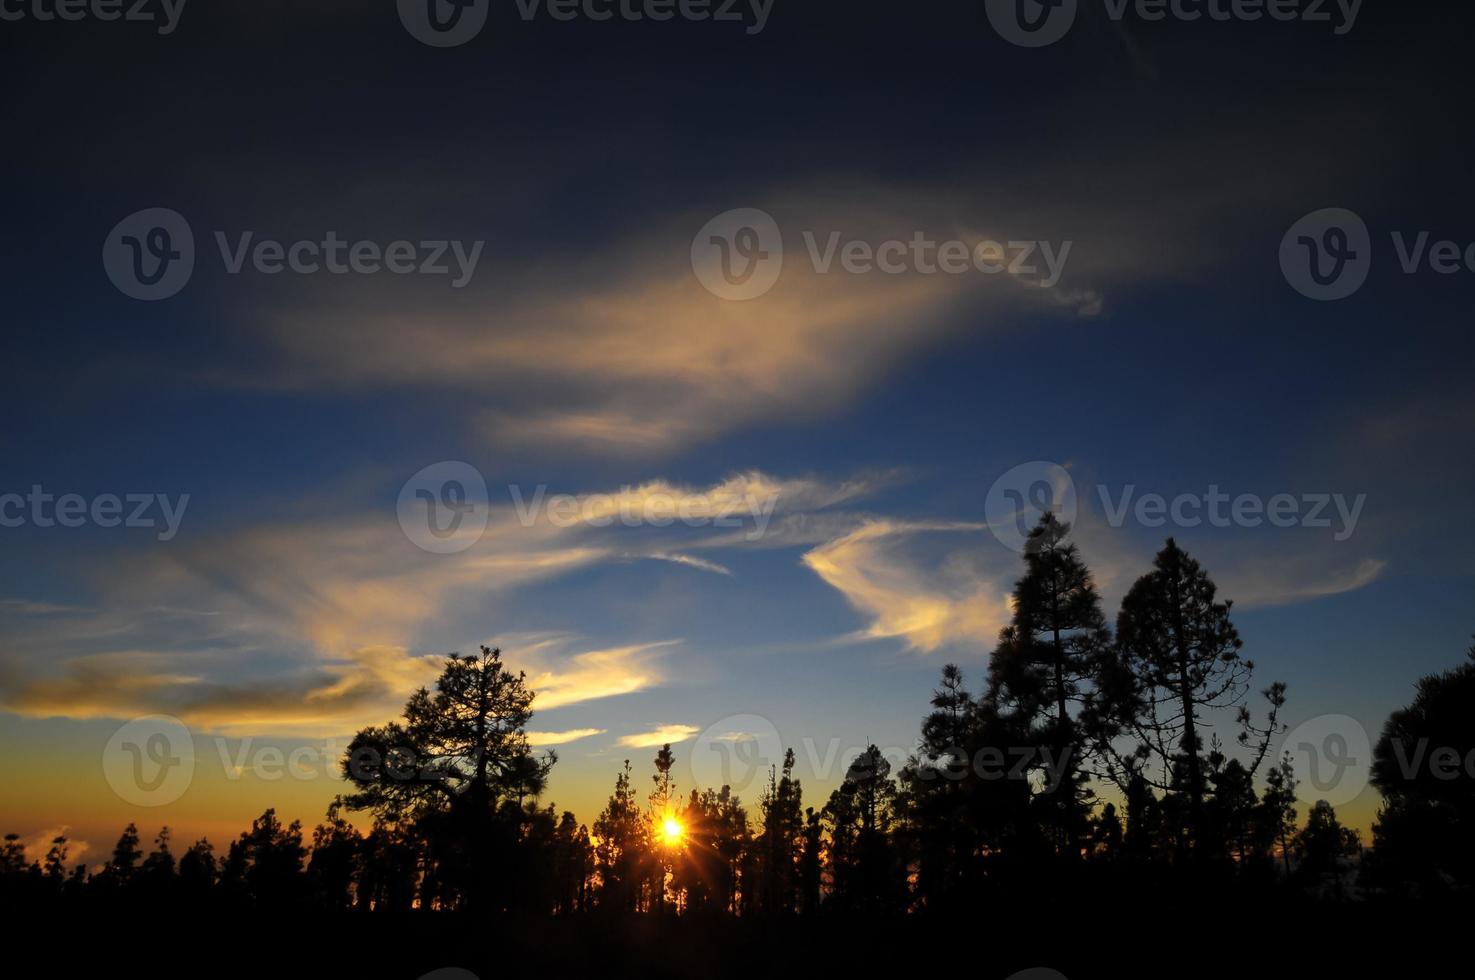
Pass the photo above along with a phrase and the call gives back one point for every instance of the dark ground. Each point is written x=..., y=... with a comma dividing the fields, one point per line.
x=1166, y=939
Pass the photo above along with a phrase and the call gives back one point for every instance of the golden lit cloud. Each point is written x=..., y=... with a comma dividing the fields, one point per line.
x=593, y=675
x=337, y=697
x=926, y=606
x=629, y=354
x=664, y=735
x=338, y=606
x=546, y=739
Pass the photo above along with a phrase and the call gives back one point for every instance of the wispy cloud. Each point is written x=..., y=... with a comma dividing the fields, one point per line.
x=627, y=353
x=592, y=675
x=335, y=697
x=27, y=607
x=701, y=563
x=545, y=739
x=40, y=842
x=665, y=734
x=926, y=604
x=309, y=626
x=1273, y=583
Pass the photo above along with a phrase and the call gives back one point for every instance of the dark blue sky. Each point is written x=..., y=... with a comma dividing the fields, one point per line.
x=1173, y=356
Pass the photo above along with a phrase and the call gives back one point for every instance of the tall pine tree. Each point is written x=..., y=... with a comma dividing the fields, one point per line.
x=1044, y=669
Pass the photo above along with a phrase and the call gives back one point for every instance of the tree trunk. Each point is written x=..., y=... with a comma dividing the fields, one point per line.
x=1190, y=729
x=1067, y=786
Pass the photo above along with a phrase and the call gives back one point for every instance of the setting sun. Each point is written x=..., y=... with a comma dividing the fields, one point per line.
x=672, y=830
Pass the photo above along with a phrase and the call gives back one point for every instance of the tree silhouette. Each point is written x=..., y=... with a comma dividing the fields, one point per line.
x=1277, y=814
x=458, y=757
x=780, y=840
x=1176, y=643
x=941, y=837
x=1422, y=765
x=197, y=870
x=1323, y=841
x=662, y=809
x=1107, y=834
x=267, y=861
x=117, y=873
x=1044, y=668
x=863, y=863
x=464, y=746
x=12, y=856
x=334, y=861
x=55, y=865
x=622, y=848
x=718, y=841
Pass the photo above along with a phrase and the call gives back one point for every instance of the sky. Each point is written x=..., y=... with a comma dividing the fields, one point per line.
x=791, y=489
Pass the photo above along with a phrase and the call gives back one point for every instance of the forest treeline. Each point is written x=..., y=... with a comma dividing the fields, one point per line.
x=1089, y=756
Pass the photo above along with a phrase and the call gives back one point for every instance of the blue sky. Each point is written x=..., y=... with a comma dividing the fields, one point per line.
x=585, y=357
